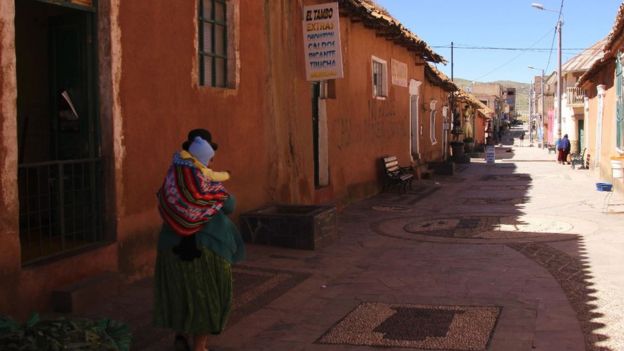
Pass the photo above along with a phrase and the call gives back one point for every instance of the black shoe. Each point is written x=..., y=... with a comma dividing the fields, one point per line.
x=181, y=344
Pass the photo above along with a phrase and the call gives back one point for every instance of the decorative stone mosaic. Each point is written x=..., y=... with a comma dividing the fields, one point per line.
x=483, y=227
x=575, y=281
x=494, y=201
x=458, y=227
x=506, y=177
x=419, y=193
x=450, y=179
x=256, y=287
x=409, y=198
x=390, y=208
x=431, y=327
x=500, y=187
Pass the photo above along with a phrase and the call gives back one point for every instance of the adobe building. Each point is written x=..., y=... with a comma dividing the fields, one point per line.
x=573, y=97
x=476, y=118
x=604, y=107
x=436, y=126
x=490, y=94
x=509, y=108
x=96, y=96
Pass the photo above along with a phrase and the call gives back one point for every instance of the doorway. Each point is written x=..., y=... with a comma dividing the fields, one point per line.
x=319, y=134
x=59, y=172
x=414, y=96
x=581, y=135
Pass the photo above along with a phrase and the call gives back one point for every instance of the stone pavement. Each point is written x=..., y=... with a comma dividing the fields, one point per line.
x=513, y=256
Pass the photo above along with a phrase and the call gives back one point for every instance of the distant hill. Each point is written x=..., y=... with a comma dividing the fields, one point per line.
x=522, y=92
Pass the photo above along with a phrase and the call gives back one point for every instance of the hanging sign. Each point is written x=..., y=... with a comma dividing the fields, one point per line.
x=321, y=40
x=399, y=73
x=490, y=154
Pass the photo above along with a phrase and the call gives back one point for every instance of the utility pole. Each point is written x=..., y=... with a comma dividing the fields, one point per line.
x=543, y=113
x=531, y=111
x=543, y=106
x=452, y=62
x=559, y=78
x=559, y=81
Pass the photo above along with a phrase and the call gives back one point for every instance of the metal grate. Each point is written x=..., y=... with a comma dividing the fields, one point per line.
x=59, y=207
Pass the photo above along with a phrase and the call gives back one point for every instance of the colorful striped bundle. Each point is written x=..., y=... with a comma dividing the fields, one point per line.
x=188, y=199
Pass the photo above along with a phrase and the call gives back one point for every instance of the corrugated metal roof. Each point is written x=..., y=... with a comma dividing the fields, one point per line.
x=584, y=60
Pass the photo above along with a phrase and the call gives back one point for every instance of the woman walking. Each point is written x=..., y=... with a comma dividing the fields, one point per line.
x=563, y=150
x=566, y=146
x=197, y=246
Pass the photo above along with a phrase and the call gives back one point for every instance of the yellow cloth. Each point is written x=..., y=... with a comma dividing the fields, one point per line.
x=214, y=176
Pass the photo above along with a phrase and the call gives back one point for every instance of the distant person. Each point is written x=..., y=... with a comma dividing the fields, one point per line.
x=563, y=149
x=566, y=148
x=522, y=139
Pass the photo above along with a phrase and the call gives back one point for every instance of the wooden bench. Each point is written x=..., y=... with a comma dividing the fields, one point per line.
x=394, y=174
x=578, y=159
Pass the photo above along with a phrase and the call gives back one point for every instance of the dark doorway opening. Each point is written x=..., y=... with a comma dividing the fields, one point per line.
x=59, y=174
x=581, y=135
x=316, y=95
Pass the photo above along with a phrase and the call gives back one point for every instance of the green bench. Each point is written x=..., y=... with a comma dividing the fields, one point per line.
x=576, y=159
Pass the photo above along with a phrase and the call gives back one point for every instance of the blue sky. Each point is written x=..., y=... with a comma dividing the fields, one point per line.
x=504, y=24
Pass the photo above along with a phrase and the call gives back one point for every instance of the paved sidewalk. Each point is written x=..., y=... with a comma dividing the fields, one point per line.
x=513, y=256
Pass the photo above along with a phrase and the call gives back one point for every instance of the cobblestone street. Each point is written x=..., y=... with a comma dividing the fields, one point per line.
x=513, y=256
x=311, y=175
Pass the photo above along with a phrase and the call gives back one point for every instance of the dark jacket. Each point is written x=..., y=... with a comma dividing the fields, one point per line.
x=219, y=235
x=565, y=145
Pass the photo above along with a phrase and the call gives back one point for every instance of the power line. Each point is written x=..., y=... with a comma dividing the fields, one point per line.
x=552, y=45
x=468, y=47
x=559, y=23
x=512, y=59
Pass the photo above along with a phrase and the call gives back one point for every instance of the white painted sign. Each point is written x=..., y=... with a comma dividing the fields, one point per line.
x=321, y=40
x=490, y=154
x=399, y=73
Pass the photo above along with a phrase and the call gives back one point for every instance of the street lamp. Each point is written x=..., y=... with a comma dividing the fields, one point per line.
x=540, y=138
x=559, y=80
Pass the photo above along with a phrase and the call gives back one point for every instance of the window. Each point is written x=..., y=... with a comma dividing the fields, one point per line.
x=619, y=115
x=432, y=127
x=380, y=78
x=213, y=43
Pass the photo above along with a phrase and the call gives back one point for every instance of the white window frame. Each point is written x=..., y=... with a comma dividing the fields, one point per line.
x=432, y=127
x=384, y=78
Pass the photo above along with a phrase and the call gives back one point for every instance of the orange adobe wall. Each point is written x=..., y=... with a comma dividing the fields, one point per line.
x=431, y=152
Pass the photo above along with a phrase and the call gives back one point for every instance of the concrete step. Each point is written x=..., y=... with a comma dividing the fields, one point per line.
x=79, y=297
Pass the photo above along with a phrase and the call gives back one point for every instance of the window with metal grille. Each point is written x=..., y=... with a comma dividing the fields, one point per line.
x=60, y=207
x=213, y=43
x=619, y=115
x=380, y=78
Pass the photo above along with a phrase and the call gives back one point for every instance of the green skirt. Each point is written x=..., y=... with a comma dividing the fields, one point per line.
x=192, y=297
